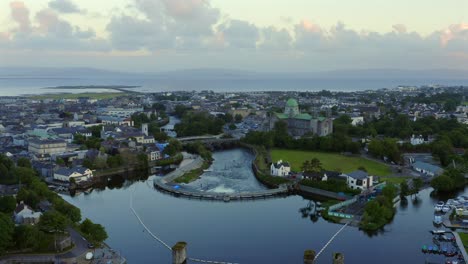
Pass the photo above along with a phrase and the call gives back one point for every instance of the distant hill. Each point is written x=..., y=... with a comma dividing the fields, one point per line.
x=193, y=74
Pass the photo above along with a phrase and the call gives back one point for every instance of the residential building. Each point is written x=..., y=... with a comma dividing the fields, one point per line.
x=358, y=180
x=280, y=168
x=417, y=140
x=79, y=174
x=25, y=215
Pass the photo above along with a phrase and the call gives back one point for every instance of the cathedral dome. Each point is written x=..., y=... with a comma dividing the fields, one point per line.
x=292, y=103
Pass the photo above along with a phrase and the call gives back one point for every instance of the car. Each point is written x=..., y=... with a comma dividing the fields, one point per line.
x=90, y=246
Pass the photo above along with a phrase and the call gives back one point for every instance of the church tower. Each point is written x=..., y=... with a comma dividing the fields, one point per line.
x=144, y=129
x=292, y=108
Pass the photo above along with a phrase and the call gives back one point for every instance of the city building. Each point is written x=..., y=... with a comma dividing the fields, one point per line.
x=299, y=123
x=47, y=146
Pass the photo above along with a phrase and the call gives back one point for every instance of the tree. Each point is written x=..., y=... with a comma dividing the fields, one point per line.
x=6, y=232
x=389, y=191
x=173, y=148
x=94, y=232
x=404, y=189
x=232, y=127
x=52, y=221
x=60, y=161
x=238, y=118
x=417, y=185
x=442, y=183
x=7, y=204
x=24, y=162
x=180, y=110
x=71, y=212
x=27, y=237
x=227, y=117
x=160, y=136
x=158, y=107
x=314, y=165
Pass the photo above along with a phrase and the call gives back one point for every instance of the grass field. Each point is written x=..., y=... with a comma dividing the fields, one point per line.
x=330, y=161
x=394, y=180
x=464, y=238
x=98, y=96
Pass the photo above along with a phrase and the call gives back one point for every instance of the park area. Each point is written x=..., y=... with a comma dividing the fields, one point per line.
x=330, y=161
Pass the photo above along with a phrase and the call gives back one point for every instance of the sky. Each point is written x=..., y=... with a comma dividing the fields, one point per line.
x=259, y=35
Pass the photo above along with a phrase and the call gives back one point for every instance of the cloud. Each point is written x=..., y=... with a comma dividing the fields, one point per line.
x=308, y=35
x=64, y=6
x=178, y=24
x=48, y=31
x=193, y=30
x=20, y=14
x=239, y=34
x=400, y=28
x=273, y=38
x=455, y=36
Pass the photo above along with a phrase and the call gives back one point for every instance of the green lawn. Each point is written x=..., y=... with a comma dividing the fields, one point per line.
x=464, y=238
x=330, y=161
x=98, y=96
x=394, y=180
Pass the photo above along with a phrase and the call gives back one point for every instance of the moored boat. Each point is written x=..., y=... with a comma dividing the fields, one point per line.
x=438, y=231
x=445, y=208
x=437, y=219
x=438, y=206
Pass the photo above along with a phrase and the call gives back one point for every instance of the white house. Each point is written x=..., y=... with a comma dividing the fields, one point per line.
x=280, y=168
x=357, y=120
x=418, y=140
x=24, y=214
x=78, y=173
x=358, y=180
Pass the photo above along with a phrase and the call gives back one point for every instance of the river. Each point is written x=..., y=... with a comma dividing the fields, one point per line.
x=261, y=231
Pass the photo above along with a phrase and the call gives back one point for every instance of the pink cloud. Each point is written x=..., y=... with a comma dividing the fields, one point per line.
x=4, y=36
x=183, y=8
x=308, y=26
x=47, y=19
x=20, y=13
x=455, y=31
x=400, y=28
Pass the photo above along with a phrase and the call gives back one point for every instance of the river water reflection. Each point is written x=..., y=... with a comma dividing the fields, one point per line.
x=261, y=231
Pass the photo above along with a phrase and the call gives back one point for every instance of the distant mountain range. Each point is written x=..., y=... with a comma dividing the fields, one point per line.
x=193, y=74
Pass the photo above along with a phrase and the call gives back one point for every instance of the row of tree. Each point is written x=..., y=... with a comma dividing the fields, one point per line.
x=198, y=124
x=36, y=238
x=280, y=138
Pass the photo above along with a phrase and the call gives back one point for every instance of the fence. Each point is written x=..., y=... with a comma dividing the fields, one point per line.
x=342, y=204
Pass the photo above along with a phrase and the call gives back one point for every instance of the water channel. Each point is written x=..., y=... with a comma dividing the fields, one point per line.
x=260, y=231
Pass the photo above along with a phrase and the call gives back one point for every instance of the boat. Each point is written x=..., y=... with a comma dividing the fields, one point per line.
x=438, y=206
x=438, y=231
x=437, y=219
x=451, y=254
x=445, y=208
x=424, y=249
